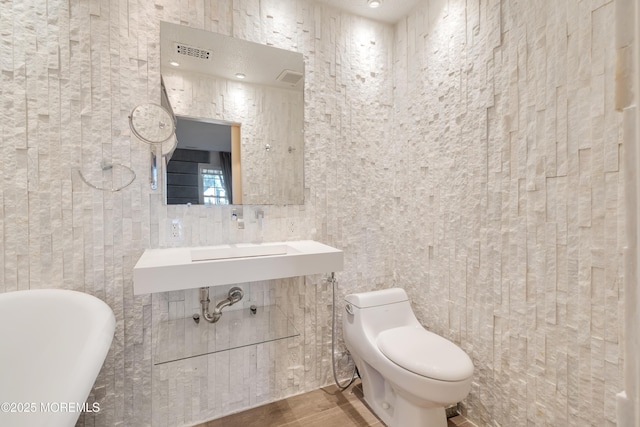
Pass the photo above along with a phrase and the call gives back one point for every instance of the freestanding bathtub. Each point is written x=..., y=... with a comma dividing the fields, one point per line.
x=52, y=346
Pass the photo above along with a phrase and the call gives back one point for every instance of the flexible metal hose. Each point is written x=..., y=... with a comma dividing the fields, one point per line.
x=334, y=281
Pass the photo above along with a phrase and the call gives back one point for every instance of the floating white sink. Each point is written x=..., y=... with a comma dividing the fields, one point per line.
x=171, y=269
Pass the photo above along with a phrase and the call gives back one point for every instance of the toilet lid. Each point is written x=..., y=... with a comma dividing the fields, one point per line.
x=425, y=353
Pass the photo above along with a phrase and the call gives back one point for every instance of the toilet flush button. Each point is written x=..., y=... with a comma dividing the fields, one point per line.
x=385, y=405
x=349, y=308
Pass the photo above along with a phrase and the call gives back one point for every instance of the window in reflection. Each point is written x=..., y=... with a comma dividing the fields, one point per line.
x=213, y=189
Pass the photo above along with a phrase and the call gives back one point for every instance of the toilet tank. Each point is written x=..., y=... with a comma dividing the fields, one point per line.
x=373, y=312
x=375, y=298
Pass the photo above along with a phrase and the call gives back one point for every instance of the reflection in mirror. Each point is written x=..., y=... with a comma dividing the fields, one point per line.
x=200, y=170
x=205, y=94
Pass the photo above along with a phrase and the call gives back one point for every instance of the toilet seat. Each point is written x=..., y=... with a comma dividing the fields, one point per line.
x=412, y=348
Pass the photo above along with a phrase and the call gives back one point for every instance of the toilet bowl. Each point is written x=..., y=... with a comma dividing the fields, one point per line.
x=409, y=375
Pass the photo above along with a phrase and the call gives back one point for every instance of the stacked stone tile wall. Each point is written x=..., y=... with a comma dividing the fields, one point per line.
x=512, y=191
x=469, y=154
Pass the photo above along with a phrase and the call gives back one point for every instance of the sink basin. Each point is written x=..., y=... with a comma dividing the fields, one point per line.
x=237, y=251
x=172, y=269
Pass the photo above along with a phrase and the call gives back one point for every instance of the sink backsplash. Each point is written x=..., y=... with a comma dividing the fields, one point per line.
x=206, y=226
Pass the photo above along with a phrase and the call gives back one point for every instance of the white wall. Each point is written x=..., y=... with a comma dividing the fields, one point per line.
x=474, y=160
x=512, y=200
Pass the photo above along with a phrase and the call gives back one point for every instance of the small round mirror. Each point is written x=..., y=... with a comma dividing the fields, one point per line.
x=151, y=123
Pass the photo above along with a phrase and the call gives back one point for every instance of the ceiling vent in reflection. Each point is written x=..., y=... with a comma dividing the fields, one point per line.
x=194, y=52
x=289, y=77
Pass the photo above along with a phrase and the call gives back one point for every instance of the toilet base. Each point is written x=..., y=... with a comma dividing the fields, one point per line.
x=409, y=415
x=394, y=409
x=404, y=414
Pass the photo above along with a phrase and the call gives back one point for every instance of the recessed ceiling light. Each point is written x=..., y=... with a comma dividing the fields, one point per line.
x=374, y=3
x=174, y=63
x=240, y=75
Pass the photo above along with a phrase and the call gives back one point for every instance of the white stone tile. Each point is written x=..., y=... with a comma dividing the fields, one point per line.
x=427, y=149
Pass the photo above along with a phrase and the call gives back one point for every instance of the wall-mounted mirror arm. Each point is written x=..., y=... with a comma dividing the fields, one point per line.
x=152, y=124
x=154, y=170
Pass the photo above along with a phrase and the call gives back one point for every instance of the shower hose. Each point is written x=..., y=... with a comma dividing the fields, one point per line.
x=334, y=282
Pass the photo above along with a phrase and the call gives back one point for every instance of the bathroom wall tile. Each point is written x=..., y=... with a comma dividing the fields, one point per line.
x=469, y=154
x=551, y=105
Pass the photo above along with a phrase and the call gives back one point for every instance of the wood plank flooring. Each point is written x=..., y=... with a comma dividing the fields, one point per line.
x=325, y=407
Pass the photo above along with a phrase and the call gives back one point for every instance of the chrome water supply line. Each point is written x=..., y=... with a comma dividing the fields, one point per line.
x=334, y=282
x=235, y=295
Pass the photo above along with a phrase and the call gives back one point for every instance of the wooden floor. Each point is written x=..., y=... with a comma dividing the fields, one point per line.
x=326, y=407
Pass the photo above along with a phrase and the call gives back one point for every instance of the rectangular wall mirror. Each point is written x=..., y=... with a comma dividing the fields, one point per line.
x=239, y=110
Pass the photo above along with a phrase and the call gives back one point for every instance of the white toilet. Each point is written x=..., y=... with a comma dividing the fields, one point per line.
x=409, y=375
